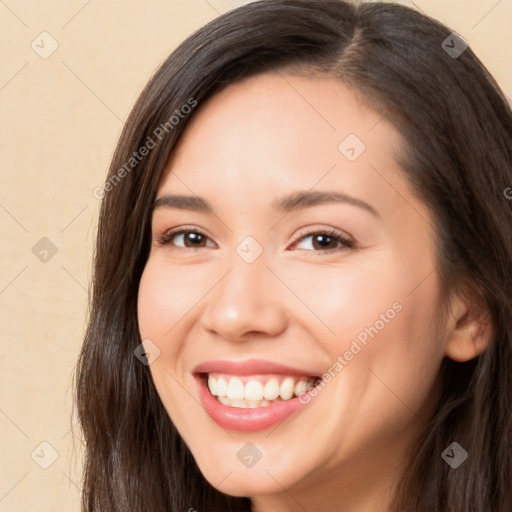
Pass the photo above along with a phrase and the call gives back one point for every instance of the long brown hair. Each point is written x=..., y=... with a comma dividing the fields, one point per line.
x=457, y=128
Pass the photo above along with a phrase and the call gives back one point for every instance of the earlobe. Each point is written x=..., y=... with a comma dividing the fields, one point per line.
x=471, y=334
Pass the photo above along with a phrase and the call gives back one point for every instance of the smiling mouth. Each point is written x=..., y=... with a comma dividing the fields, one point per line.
x=249, y=392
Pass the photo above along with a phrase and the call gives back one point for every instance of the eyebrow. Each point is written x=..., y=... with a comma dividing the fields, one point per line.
x=295, y=201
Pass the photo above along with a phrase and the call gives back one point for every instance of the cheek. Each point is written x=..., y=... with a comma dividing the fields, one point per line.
x=375, y=321
x=163, y=302
x=395, y=371
x=383, y=349
x=341, y=302
x=151, y=304
x=165, y=297
x=161, y=305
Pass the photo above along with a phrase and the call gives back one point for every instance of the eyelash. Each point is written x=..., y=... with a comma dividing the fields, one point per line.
x=346, y=243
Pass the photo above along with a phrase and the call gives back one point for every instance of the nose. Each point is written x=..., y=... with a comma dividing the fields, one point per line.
x=246, y=303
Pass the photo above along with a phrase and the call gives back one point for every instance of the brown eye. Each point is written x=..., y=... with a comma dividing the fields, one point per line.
x=189, y=238
x=325, y=241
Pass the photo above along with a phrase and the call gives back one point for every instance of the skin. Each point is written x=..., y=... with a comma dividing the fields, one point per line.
x=255, y=141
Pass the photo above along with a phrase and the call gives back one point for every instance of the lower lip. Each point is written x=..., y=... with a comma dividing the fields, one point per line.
x=245, y=420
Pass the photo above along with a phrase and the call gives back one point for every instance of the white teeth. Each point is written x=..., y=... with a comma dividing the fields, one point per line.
x=212, y=385
x=245, y=404
x=224, y=400
x=254, y=390
x=239, y=403
x=287, y=388
x=301, y=387
x=271, y=391
x=232, y=391
x=222, y=387
x=254, y=403
x=235, y=389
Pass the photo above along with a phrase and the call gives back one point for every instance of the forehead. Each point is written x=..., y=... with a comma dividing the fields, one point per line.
x=282, y=131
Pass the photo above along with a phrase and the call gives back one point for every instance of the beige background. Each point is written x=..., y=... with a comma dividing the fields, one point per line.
x=60, y=119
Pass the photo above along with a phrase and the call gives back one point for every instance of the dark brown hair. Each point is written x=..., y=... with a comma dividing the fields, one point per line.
x=457, y=129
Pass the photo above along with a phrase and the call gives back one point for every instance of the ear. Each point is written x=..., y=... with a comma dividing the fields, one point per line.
x=471, y=329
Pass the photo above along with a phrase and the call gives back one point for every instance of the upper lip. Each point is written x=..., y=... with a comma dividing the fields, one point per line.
x=249, y=367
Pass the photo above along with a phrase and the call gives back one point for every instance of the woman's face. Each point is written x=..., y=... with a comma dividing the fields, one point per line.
x=305, y=254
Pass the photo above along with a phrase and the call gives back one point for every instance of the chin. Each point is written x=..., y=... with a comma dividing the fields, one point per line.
x=248, y=484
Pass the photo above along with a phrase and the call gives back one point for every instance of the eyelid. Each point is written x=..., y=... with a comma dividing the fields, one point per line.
x=324, y=229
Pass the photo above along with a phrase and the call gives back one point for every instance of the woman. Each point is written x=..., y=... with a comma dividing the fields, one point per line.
x=301, y=293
